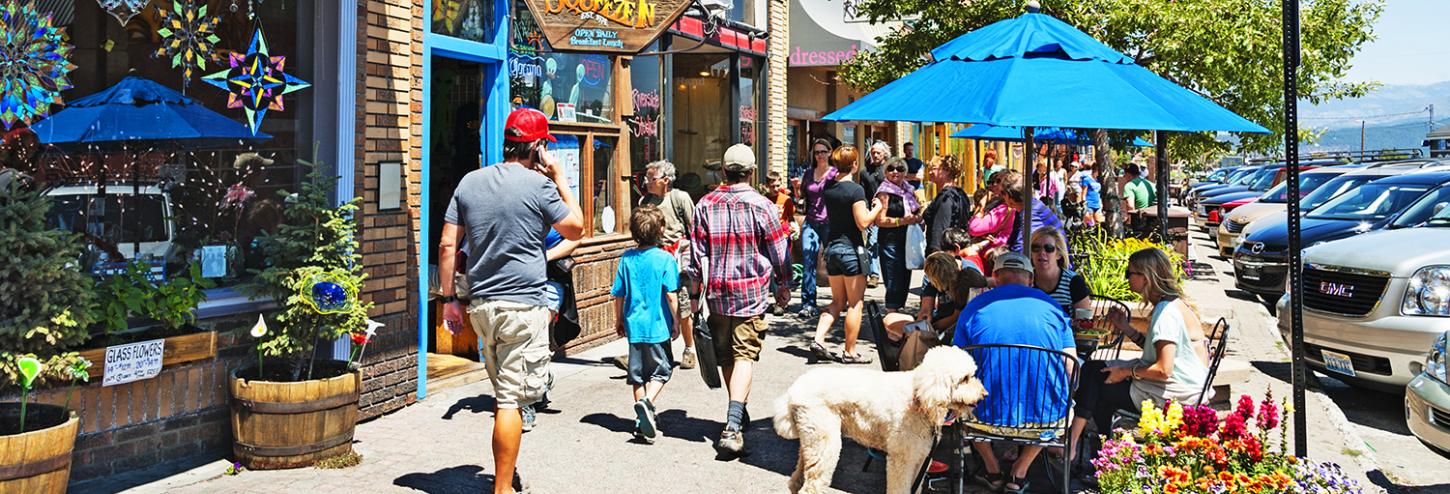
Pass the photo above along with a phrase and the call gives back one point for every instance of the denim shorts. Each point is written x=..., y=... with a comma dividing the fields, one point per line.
x=554, y=293
x=844, y=259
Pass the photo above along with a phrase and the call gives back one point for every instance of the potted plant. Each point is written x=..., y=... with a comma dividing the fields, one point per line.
x=293, y=408
x=37, y=327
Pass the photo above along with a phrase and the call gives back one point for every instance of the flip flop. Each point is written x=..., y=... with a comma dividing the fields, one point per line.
x=853, y=359
x=820, y=353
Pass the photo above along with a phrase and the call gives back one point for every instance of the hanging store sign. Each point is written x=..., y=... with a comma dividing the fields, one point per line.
x=610, y=26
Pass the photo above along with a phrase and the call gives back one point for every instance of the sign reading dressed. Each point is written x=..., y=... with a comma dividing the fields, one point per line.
x=133, y=362
x=614, y=26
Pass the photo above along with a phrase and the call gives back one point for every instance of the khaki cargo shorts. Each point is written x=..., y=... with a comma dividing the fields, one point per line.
x=736, y=338
x=515, y=349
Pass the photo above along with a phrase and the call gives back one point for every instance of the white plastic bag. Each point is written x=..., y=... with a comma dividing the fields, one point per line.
x=915, y=247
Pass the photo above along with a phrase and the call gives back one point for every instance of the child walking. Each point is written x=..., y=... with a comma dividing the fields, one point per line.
x=645, y=308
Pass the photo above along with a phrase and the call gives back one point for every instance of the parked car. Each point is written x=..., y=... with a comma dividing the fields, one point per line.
x=1261, y=260
x=1273, y=202
x=1239, y=177
x=1373, y=303
x=1212, y=206
x=116, y=223
x=1427, y=400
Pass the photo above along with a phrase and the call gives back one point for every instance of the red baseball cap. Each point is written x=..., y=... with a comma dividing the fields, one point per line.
x=527, y=125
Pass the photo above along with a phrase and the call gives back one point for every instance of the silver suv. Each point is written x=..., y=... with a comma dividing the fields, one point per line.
x=1374, y=302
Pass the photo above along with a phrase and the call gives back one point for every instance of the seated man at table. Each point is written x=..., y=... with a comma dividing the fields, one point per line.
x=1016, y=313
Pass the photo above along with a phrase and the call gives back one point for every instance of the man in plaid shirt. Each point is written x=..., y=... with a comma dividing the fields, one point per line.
x=739, y=242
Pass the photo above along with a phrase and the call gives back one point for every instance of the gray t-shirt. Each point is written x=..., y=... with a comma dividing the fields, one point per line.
x=505, y=211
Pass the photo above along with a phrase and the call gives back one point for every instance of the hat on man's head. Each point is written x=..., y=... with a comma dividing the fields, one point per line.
x=527, y=125
x=1132, y=169
x=739, y=158
x=1012, y=260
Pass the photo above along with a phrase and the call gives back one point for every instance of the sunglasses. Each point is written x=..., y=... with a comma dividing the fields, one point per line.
x=822, y=151
x=1048, y=248
x=895, y=168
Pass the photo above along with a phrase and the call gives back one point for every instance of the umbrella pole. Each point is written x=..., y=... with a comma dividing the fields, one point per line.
x=1029, y=162
x=1160, y=155
x=1296, y=276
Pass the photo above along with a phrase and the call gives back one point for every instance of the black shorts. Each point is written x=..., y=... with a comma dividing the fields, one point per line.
x=844, y=259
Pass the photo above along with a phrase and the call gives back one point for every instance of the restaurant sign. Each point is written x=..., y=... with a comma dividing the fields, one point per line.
x=612, y=26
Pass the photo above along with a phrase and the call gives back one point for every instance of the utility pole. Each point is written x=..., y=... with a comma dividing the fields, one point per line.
x=1432, y=118
x=1361, y=139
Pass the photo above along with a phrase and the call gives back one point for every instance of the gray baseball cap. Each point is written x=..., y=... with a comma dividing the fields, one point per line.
x=1012, y=260
x=739, y=158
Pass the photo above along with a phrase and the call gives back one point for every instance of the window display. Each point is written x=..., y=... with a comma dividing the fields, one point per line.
x=142, y=162
x=568, y=87
x=466, y=19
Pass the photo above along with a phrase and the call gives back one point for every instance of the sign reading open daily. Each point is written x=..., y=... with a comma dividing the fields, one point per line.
x=614, y=26
x=133, y=362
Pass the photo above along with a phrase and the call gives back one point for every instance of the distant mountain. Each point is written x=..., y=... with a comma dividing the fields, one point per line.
x=1403, y=135
x=1387, y=105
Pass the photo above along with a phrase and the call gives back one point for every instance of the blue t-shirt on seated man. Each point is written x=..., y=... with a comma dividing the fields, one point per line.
x=1016, y=313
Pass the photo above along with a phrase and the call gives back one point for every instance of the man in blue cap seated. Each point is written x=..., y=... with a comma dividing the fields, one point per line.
x=1016, y=313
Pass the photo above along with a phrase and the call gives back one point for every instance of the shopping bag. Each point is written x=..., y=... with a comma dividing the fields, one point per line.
x=915, y=247
x=705, y=346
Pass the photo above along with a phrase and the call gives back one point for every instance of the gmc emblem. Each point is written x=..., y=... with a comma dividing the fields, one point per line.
x=1336, y=289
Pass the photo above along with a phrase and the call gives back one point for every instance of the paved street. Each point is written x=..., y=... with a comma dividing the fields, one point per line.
x=440, y=445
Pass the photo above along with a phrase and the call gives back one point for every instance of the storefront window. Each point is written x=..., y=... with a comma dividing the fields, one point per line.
x=606, y=186
x=568, y=87
x=644, y=126
x=184, y=193
x=749, y=118
x=701, y=124
x=467, y=19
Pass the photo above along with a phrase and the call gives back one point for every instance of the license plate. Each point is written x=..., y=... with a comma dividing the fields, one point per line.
x=1250, y=274
x=1338, y=362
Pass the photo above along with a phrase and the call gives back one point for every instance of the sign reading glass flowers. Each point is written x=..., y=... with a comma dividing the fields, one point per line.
x=610, y=26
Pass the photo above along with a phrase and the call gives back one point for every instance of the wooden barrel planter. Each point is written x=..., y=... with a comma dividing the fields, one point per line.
x=37, y=461
x=293, y=424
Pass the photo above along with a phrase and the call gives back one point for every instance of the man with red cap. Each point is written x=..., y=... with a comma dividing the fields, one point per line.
x=503, y=212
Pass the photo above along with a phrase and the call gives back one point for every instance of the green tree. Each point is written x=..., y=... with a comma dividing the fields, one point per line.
x=1227, y=50
x=316, y=241
x=46, y=299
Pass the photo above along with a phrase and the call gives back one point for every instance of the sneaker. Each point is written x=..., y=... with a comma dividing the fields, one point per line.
x=527, y=413
x=687, y=360
x=809, y=312
x=731, y=442
x=645, y=418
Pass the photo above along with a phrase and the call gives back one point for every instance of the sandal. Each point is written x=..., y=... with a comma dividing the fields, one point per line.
x=993, y=481
x=1022, y=486
x=853, y=359
x=819, y=351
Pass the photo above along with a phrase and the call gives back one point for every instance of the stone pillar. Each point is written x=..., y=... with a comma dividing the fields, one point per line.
x=776, y=65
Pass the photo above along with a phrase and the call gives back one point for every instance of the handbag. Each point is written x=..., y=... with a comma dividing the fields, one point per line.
x=914, y=346
x=915, y=247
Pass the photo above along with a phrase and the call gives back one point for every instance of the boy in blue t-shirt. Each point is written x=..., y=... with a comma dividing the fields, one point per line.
x=1092, y=196
x=645, y=311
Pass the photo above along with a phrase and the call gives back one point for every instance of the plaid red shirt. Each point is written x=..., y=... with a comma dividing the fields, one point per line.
x=739, y=238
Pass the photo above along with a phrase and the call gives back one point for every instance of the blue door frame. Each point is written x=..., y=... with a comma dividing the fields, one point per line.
x=495, y=95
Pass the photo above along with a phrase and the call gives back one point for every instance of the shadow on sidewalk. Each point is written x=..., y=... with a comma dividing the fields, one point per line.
x=1366, y=407
x=462, y=479
x=1379, y=479
x=473, y=404
x=673, y=424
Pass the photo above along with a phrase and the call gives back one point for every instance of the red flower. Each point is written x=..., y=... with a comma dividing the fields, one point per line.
x=1233, y=427
x=359, y=338
x=1268, y=414
x=1246, y=407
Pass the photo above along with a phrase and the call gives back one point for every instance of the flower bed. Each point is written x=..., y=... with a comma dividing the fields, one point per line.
x=1192, y=449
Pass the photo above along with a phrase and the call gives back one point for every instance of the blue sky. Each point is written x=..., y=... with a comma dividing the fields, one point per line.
x=1413, y=45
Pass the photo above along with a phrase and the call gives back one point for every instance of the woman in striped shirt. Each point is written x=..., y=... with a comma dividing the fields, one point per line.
x=1049, y=260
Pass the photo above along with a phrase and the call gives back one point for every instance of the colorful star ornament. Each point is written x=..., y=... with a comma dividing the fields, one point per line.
x=33, y=63
x=330, y=293
x=123, y=10
x=188, y=37
x=256, y=81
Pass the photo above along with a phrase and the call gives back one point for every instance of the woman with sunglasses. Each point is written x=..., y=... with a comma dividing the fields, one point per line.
x=1049, y=260
x=901, y=211
x=813, y=233
x=1174, y=364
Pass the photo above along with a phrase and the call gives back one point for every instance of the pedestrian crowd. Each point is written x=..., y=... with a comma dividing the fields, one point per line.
x=725, y=261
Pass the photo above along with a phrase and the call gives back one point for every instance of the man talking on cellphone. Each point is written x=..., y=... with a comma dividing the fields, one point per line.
x=503, y=213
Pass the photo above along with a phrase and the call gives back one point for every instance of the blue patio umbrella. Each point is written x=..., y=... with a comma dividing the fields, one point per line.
x=986, y=132
x=1037, y=71
x=138, y=109
x=1139, y=142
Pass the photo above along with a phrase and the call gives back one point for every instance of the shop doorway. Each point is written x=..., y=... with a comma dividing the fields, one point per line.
x=701, y=120
x=454, y=149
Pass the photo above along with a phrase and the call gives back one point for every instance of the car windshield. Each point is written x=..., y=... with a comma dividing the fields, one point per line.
x=1216, y=176
x=115, y=219
x=1263, y=180
x=1333, y=188
x=1244, y=178
x=1429, y=210
x=1371, y=201
x=1308, y=183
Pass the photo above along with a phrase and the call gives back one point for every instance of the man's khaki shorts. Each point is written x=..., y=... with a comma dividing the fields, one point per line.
x=515, y=349
x=736, y=338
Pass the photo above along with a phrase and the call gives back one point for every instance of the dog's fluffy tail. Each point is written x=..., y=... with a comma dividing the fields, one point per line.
x=785, y=417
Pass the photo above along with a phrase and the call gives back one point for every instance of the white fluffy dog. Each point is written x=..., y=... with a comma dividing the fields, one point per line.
x=895, y=412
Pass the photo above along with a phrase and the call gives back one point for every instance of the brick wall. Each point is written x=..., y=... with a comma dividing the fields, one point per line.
x=776, y=85
x=597, y=260
x=390, y=51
